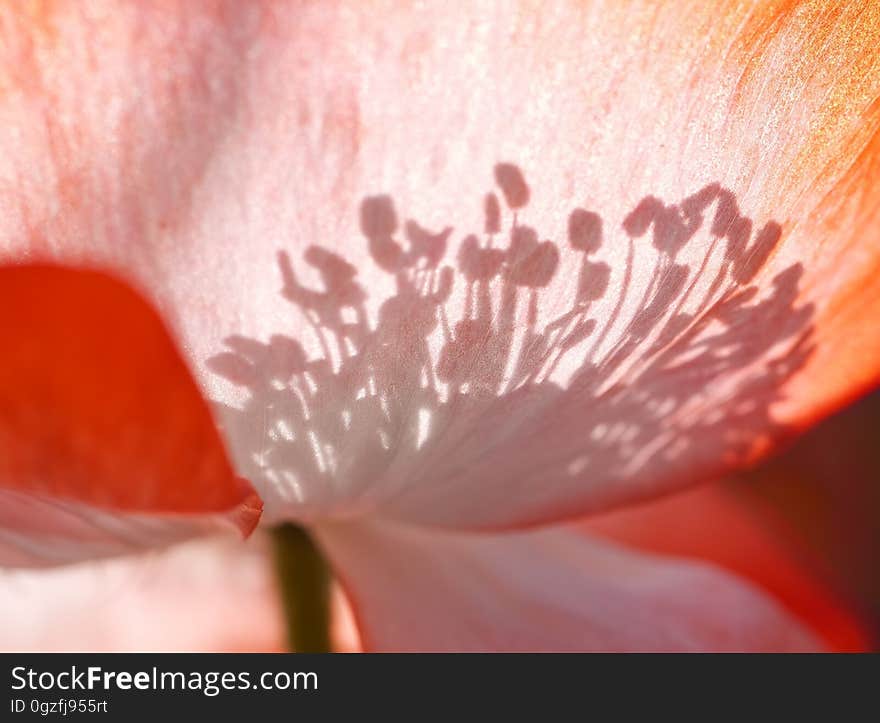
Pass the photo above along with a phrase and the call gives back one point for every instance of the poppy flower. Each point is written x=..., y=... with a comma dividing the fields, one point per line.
x=433, y=283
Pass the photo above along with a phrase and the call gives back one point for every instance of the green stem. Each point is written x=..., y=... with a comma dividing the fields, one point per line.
x=304, y=579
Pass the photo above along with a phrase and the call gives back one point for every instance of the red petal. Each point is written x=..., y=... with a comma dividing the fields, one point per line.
x=98, y=409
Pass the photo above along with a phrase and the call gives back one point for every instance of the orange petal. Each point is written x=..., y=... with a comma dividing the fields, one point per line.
x=99, y=413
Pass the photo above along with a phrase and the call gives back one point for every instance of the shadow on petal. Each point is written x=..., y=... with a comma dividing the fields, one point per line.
x=511, y=379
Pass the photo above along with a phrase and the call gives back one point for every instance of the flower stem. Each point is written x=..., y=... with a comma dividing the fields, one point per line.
x=304, y=580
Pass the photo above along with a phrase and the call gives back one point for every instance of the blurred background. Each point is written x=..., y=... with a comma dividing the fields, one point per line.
x=823, y=497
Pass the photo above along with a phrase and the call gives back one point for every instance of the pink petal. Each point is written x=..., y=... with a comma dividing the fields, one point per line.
x=209, y=595
x=557, y=590
x=39, y=530
x=733, y=147
x=718, y=524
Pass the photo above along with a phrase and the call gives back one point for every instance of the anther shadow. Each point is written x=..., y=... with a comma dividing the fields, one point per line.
x=424, y=403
